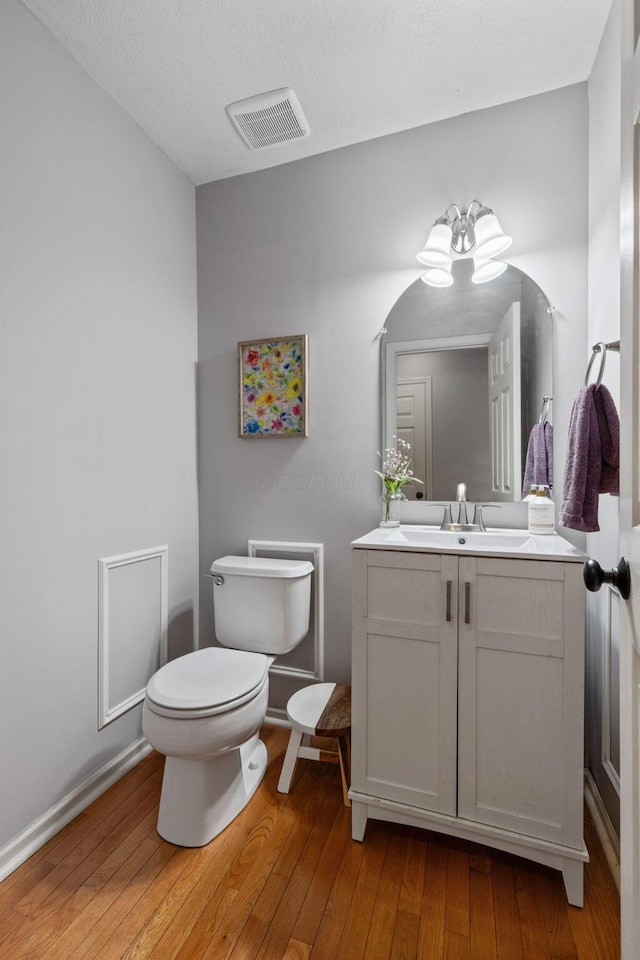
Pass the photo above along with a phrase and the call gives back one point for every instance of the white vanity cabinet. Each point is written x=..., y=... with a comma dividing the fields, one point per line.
x=467, y=700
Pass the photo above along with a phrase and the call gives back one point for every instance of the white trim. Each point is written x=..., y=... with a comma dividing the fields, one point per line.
x=106, y=712
x=604, y=828
x=296, y=672
x=22, y=846
x=611, y=596
x=317, y=550
x=427, y=345
x=531, y=848
x=277, y=717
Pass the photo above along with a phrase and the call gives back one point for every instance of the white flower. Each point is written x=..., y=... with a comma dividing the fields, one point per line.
x=395, y=466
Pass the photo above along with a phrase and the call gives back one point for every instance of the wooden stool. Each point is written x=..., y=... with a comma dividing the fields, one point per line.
x=321, y=710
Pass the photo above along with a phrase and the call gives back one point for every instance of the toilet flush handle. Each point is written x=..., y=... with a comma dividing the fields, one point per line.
x=217, y=579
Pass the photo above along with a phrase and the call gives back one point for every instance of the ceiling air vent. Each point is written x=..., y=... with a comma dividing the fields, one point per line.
x=269, y=119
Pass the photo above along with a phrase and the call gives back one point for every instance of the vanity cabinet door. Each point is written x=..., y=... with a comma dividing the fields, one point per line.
x=404, y=678
x=520, y=697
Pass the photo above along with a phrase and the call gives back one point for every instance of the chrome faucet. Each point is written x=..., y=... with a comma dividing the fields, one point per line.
x=478, y=519
x=461, y=499
x=446, y=518
x=464, y=524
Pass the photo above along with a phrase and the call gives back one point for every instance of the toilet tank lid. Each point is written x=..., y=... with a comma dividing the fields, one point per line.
x=262, y=567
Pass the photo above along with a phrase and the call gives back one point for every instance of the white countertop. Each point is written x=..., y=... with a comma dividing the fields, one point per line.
x=492, y=543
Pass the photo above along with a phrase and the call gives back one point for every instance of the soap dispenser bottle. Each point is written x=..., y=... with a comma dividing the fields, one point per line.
x=542, y=512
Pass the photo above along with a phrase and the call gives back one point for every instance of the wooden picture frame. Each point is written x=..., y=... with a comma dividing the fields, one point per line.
x=272, y=387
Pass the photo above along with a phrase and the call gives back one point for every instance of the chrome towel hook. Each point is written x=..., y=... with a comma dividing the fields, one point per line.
x=544, y=409
x=600, y=348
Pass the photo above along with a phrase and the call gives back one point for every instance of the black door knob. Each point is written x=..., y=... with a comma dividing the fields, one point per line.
x=620, y=577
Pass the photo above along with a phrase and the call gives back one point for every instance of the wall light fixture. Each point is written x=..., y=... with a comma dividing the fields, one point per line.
x=475, y=229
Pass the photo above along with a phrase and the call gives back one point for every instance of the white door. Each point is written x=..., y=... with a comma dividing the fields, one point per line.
x=414, y=427
x=504, y=407
x=630, y=492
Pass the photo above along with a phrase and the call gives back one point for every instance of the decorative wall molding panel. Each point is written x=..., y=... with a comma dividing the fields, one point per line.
x=132, y=627
x=306, y=661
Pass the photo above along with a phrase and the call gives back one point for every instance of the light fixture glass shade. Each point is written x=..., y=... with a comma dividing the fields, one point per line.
x=485, y=270
x=438, y=276
x=490, y=240
x=437, y=249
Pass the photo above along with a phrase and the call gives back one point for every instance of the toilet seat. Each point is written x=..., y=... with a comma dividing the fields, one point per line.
x=207, y=682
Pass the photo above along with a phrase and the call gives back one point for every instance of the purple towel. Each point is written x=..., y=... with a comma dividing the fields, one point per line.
x=593, y=454
x=539, y=464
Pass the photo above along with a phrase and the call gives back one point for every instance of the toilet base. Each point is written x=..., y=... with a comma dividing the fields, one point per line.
x=201, y=797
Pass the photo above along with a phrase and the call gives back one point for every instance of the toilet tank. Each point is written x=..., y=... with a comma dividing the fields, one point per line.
x=260, y=603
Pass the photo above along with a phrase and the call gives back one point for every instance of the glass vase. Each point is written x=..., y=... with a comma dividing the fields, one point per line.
x=390, y=503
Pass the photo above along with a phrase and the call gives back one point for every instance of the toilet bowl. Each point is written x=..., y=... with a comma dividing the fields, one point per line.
x=204, y=710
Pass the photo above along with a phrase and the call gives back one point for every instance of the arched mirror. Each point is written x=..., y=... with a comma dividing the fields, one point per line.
x=466, y=373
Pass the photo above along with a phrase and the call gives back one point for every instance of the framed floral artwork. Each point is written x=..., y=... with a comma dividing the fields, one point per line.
x=273, y=387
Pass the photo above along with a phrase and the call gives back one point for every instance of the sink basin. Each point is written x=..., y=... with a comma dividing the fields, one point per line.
x=458, y=539
x=491, y=539
x=508, y=541
x=499, y=542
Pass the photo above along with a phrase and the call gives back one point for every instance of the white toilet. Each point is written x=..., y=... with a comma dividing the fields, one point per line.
x=204, y=710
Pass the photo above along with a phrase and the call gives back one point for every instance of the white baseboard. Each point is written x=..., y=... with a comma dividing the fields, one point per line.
x=604, y=828
x=22, y=846
x=277, y=717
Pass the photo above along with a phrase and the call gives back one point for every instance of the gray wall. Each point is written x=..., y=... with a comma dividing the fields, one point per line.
x=97, y=402
x=325, y=246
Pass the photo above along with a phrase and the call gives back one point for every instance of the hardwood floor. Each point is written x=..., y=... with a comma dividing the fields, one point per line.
x=285, y=882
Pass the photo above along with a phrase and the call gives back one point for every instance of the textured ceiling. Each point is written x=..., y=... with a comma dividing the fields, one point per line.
x=360, y=68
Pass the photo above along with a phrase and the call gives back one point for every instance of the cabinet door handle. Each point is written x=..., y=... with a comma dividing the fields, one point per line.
x=448, y=601
x=467, y=603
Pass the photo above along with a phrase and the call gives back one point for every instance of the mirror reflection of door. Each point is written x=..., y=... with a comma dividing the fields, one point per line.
x=504, y=404
x=414, y=427
x=458, y=419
